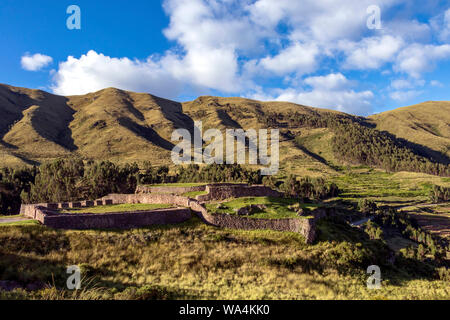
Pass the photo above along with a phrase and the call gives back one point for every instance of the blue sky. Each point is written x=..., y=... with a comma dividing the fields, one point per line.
x=322, y=53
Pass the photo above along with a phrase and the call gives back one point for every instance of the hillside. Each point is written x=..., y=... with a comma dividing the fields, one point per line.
x=427, y=124
x=125, y=126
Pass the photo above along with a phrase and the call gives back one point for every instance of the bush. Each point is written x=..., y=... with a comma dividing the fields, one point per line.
x=307, y=188
x=439, y=194
x=367, y=206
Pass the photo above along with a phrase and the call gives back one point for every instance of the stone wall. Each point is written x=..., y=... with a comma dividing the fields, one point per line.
x=120, y=220
x=306, y=227
x=151, y=198
x=222, y=192
x=174, y=190
x=117, y=220
x=51, y=218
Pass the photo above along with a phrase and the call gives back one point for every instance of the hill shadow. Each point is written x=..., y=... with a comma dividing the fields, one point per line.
x=60, y=122
x=173, y=111
x=50, y=116
x=146, y=132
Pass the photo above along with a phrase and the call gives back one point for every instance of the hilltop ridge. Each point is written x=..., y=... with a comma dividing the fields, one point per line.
x=124, y=126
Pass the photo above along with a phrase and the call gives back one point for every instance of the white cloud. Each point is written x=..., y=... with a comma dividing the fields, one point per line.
x=93, y=71
x=403, y=96
x=211, y=35
x=215, y=68
x=400, y=84
x=370, y=53
x=410, y=30
x=238, y=46
x=436, y=83
x=321, y=21
x=200, y=24
x=441, y=25
x=416, y=59
x=35, y=62
x=332, y=81
x=332, y=91
x=299, y=58
x=348, y=101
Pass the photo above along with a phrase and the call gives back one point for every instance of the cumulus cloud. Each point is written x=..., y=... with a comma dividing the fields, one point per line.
x=299, y=58
x=416, y=58
x=333, y=91
x=35, y=62
x=94, y=71
x=321, y=21
x=211, y=35
x=332, y=81
x=371, y=53
x=237, y=46
x=411, y=30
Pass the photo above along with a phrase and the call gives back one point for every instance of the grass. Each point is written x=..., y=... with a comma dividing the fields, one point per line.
x=196, y=261
x=425, y=123
x=11, y=217
x=16, y=223
x=277, y=208
x=20, y=223
x=376, y=184
x=193, y=194
x=119, y=208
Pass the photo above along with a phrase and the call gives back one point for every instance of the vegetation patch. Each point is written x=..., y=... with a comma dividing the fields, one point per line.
x=275, y=208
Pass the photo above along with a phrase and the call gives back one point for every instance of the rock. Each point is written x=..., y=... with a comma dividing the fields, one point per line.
x=251, y=209
x=243, y=211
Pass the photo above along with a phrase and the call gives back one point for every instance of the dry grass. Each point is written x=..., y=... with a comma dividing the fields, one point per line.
x=195, y=261
x=425, y=123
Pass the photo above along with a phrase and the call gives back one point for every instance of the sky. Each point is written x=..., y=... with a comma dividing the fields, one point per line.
x=356, y=56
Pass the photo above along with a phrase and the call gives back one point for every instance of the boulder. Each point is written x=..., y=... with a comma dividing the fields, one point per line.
x=244, y=211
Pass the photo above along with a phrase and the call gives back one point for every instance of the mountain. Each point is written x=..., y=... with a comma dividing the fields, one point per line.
x=124, y=126
x=426, y=124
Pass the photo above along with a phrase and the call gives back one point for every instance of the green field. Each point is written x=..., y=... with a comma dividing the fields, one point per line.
x=363, y=182
x=193, y=194
x=277, y=208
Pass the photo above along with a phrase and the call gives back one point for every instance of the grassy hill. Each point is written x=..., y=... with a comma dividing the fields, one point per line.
x=427, y=124
x=124, y=126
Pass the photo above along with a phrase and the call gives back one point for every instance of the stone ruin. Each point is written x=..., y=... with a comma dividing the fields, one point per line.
x=48, y=214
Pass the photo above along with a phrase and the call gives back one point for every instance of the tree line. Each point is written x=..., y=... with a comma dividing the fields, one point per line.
x=75, y=179
x=355, y=141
